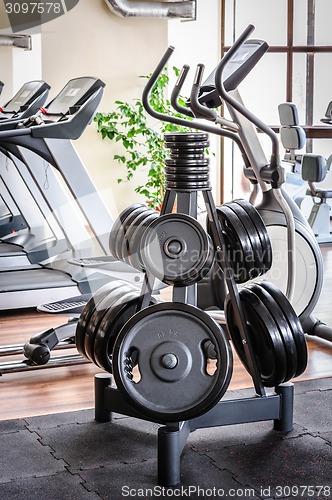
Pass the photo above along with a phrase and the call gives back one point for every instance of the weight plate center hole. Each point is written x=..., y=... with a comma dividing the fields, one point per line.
x=174, y=248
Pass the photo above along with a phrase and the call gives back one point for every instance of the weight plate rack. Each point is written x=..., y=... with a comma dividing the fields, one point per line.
x=170, y=361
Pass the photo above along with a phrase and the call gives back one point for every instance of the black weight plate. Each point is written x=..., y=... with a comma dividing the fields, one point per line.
x=176, y=249
x=186, y=162
x=117, y=225
x=294, y=324
x=88, y=311
x=129, y=230
x=187, y=170
x=168, y=343
x=186, y=136
x=284, y=329
x=241, y=254
x=134, y=257
x=261, y=230
x=122, y=231
x=211, y=290
x=180, y=152
x=267, y=345
x=121, y=309
x=112, y=322
x=187, y=177
x=99, y=311
x=188, y=186
x=254, y=237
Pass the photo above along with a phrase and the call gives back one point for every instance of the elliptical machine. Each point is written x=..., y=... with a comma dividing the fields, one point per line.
x=294, y=245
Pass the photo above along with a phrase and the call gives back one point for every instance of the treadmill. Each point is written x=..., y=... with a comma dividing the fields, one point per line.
x=29, y=98
x=48, y=135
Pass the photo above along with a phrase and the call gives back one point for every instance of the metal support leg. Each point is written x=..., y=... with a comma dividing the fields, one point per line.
x=102, y=414
x=285, y=422
x=169, y=453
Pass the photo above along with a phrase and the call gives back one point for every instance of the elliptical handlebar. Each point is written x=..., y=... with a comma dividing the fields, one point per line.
x=274, y=167
x=194, y=124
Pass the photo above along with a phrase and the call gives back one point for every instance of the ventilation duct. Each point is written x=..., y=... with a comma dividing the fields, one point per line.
x=185, y=9
x=22, y=41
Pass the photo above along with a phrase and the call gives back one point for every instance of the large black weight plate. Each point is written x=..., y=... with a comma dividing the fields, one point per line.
x=117, y=226
x=263, y=332
x=294, y=324
x=88, y=311
x=97, y=315
x=284, y=329
x=113, y=320
x=168, y=342
x=130, y=229
x=119, y=242
x=133, y=251
x=261, y=231
x=176, y=249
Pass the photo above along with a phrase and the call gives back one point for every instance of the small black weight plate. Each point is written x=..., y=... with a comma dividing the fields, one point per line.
x=88, y=311
x=241, y=254
x=184, y=162
x=294, y=324
x=284, y=329
x=180, y=152
x=129, y=230
x=261, y=230
x=186, y=137
x=121, y=234
x=187, y=177
x=168, y=344
x=99, y=311
x=176, y=249
x=134, y=257
x=187, y=170
x=259, y=252
x=188, y=186
x=118, y=224
x=267, y=345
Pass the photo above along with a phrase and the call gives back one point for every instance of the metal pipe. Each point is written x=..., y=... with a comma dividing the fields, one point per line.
x=185, y=9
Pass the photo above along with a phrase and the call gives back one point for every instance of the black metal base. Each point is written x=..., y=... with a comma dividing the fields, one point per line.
x=172, y=437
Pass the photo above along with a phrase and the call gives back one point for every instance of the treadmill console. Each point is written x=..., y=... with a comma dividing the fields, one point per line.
x=73, y=95
x=26, y=98
x=235, y=71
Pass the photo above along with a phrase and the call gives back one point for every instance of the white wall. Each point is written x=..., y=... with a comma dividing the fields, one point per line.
x=91, y=40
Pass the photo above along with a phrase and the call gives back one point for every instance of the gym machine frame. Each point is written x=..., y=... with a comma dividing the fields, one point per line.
x=172, y=436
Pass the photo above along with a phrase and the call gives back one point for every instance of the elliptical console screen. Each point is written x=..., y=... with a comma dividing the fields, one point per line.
x=73, y=94
x=235, y=71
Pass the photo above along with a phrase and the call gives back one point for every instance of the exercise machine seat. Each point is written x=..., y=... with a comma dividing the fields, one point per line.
x=314, y=169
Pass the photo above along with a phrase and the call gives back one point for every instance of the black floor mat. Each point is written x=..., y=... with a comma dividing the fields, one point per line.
x=70, y=456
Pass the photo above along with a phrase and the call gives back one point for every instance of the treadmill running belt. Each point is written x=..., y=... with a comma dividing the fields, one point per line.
x=33, y=279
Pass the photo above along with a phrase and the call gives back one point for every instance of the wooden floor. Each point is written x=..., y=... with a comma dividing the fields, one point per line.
x=54, y=390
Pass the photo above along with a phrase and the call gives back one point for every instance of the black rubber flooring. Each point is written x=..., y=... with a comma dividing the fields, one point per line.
x=71, y=456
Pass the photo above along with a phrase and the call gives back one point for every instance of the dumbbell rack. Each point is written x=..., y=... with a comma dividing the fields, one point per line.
x=182, y=185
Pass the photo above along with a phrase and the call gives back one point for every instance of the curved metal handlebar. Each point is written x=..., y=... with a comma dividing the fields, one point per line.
x=176, y=92
x=237, y=105
x=194, y=124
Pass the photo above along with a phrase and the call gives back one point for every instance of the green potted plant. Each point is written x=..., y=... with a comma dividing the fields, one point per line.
x=142, y=145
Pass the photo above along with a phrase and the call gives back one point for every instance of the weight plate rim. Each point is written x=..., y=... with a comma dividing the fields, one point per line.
x=116, y=226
